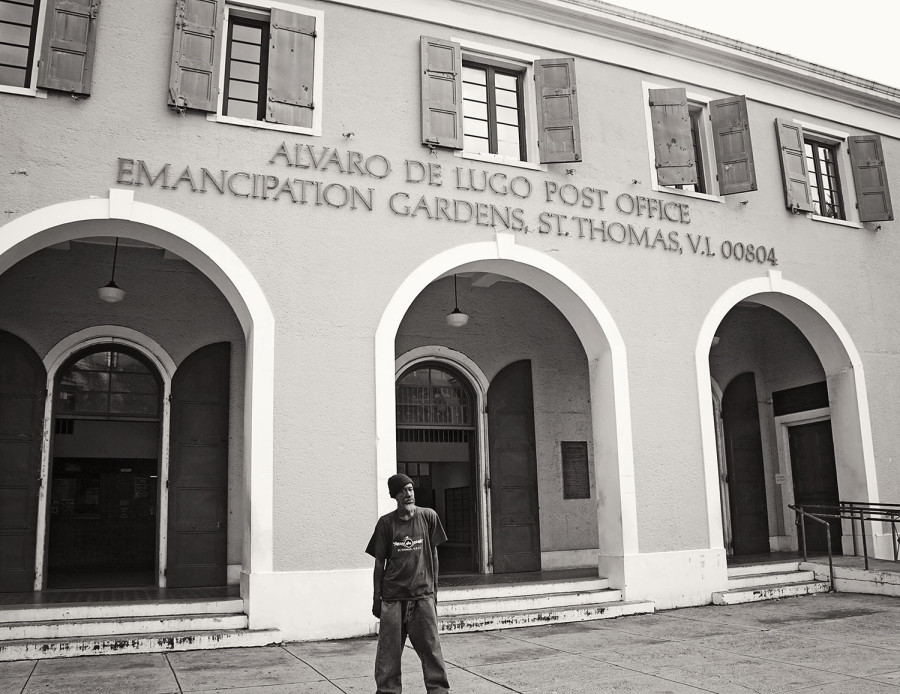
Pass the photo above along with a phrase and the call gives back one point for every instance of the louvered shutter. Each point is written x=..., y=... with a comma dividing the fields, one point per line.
x=292, y=47
x=193, y=81
x=873, y=197
x=442, y=117
x=559, y=137
x=673, y=143
x=67, y=51
x=797, y=194
x=734, y=154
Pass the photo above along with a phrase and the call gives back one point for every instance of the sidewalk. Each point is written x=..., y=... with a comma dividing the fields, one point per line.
x=826, y=644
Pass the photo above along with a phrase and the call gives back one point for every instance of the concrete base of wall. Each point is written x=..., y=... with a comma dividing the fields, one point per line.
x=569, y=559
x=673, y=579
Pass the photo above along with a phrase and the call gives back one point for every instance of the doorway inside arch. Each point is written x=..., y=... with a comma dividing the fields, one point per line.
x=103, y=516
x=436, y=447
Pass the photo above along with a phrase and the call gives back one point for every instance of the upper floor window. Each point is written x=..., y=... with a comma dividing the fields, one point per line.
x=824, y=182
x=59, y=36
x=478, y=101
x=254, y=62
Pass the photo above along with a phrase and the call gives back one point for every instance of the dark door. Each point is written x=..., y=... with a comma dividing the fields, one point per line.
x=515, y=517
x=198, y=475
x=22, y=384
x=744, y=462
x=815, y=479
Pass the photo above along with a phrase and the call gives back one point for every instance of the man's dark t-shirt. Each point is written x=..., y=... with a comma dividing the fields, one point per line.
x=407, y=546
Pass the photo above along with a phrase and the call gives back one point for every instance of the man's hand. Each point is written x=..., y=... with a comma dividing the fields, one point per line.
x=376, y=606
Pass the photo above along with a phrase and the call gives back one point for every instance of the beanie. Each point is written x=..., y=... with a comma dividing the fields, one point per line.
x=398, y=482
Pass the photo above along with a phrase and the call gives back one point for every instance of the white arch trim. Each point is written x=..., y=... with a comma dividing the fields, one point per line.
x=835, y=349
x=603, y=344
x=51, y=225
x=53, y=362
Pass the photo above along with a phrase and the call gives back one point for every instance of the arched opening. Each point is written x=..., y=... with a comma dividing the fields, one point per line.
x=103, y=520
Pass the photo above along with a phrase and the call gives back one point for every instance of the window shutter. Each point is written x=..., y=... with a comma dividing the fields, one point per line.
x=672, y=140
x=442, y=117
x=557, y=107
x=872, y=195
x=797, y=195
x=292, y=53
x=193, y=81
x=67, y=51
x=734, y=154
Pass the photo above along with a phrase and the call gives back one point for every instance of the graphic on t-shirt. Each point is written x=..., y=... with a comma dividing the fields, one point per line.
x=408, y=544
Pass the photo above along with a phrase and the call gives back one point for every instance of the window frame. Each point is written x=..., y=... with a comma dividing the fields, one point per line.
x=838, y=140
x=509, y=61
x=706, y=167
x=491, y=70
x=37, y=31
x=261, y=8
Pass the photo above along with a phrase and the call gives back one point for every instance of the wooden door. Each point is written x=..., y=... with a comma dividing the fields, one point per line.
x=23, y=381
x=198, y=474
x=815, y=479
x=744, y=462
x=515, y=517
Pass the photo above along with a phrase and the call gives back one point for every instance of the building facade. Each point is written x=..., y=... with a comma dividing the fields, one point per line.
x=676, y=253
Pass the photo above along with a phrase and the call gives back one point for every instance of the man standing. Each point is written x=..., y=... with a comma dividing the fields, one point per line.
x=404, y=545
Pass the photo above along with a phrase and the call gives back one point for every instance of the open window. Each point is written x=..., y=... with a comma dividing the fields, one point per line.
x=699, y=146
x=816, y=163
x=254, y=63
x=47, y=46
x=480, y=102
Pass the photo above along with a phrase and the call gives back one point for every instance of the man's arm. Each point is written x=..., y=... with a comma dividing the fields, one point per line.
x=434, y=561
x=376, y=584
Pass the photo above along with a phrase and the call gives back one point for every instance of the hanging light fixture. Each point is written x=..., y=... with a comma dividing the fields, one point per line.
x=110, y=292
x=456, y=318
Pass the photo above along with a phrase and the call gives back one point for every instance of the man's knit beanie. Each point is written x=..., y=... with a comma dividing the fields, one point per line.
x=398, y=482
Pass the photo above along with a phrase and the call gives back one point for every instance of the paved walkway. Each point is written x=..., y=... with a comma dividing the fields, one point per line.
x=824, y=644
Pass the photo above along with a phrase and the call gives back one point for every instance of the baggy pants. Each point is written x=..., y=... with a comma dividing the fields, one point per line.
x=418, y=620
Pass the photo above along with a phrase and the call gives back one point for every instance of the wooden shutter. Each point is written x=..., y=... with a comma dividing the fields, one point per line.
x=797, y=194
x=193, y=80
x=442, y=116
x=734, y=154
x=292, y=47
x=67, y=51
x=198, y=474
x=559, y=137
x=873, y=198
x=672, y=140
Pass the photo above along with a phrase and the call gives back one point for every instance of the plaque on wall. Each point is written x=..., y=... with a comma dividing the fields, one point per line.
x=576, y=478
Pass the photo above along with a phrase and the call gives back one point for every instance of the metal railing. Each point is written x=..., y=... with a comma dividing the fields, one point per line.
x=864, y=511
x=818, y=517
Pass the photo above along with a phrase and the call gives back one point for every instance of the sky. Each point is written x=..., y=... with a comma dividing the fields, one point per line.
x=860, y=37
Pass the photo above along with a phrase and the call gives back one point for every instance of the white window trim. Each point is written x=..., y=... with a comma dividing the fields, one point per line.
x=32, y=90
x=707, y=148
x=848, y=189
x=318, y=70
x=516, y=60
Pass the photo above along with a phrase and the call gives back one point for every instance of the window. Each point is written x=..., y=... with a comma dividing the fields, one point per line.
x=478, y=101
x=108, y=382
x=697, y=145
x=493, y=111
x=65, y=47
x=815, y=161
x=256, y=62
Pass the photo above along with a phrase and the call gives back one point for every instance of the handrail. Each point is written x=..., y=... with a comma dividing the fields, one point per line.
x=801, y=514
x=872, y=511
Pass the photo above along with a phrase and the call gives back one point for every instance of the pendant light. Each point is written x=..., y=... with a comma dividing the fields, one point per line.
x=456, y=318
x=110, y=292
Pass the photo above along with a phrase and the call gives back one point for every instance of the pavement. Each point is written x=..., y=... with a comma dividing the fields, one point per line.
x=828, y=644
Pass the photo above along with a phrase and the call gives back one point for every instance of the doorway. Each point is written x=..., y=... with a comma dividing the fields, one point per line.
x=814, y=475
x=103, y=514
x=436, y=448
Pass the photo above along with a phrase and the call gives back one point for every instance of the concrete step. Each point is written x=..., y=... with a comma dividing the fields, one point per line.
x=119, y=610
x=556, y=615
x=519, y=603
x=769, y=592
x=508, y=590
x=32, y=649
x=77, y=628
x=763, y=579
x=746, y=569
